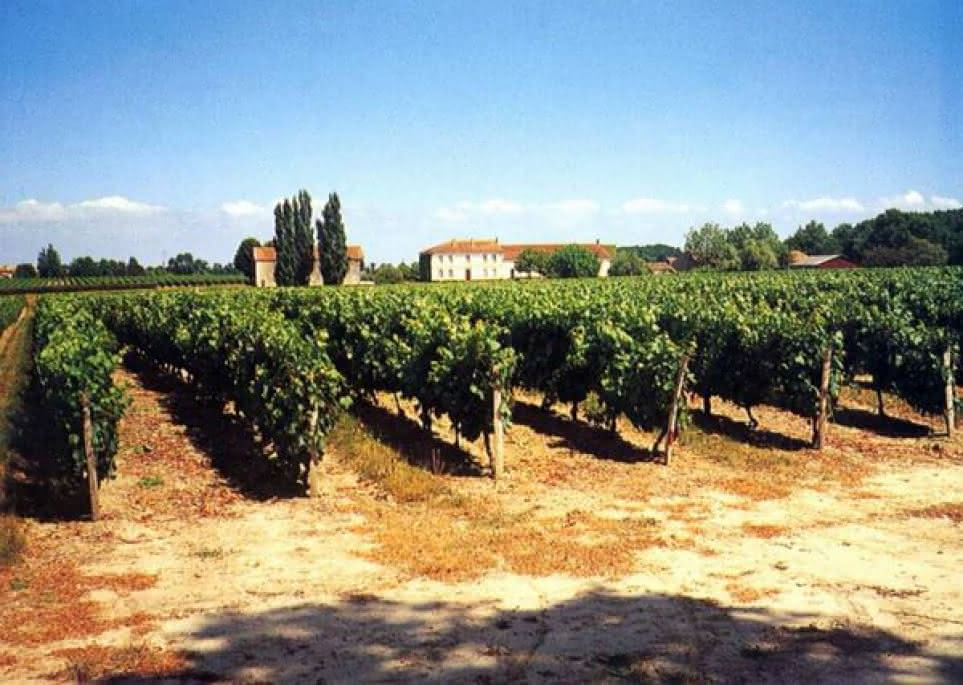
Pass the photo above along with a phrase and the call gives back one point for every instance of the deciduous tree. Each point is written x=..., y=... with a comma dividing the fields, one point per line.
x=709, y=247
x=25, y=271
x=627, y=263
x=573, y=261
x=244, y=257
x=532, y=262
x=813, y=239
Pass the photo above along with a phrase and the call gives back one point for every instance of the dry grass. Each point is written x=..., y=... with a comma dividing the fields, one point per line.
x=450, y=542
x=93, y=662
x=460, y=528
x=764, y=531
x=13, y=540
x=429, y=530
x=380, y=465
x=944, y=510
x=746, y=595
x=45, y=600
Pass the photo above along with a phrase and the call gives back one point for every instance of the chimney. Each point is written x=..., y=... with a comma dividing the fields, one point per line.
x=596, y=241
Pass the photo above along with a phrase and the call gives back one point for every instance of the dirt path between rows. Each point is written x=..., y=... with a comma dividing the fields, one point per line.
x=192, y=577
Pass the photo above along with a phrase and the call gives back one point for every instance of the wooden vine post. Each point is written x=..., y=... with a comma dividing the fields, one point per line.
x=671, y=428
x=949, y=392
x=91, y=459
x=498, y=454
x=313, y=476
x=819, y=432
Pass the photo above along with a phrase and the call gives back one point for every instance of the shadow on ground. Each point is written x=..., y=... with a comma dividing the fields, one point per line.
x=596, y=637
x=231, y=445
x=579, y=436
x=888, y=426
x=417, y=446
x=737, y=430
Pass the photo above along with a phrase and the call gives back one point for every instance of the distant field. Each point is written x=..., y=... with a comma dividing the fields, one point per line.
x=68, y=284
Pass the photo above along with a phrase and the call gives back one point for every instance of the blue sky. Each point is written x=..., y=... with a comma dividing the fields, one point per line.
x=150, y=128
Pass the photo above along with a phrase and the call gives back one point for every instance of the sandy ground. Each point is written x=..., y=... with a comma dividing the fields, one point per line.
x=192, y=577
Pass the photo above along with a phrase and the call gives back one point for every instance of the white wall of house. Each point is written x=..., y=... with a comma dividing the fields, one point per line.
x=264, y=274
x=483, y=266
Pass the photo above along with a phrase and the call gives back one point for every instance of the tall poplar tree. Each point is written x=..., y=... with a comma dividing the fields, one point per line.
x=283, y=244
x=303, y=238
x=49, y=264
x=332, y=242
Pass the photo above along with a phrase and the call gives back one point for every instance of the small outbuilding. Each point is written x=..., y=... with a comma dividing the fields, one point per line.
x=798, y=260
x=659, y=268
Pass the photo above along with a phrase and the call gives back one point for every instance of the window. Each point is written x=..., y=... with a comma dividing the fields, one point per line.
x=485, y=259
x=450, y=273
x=451, y=258
x=441, y=273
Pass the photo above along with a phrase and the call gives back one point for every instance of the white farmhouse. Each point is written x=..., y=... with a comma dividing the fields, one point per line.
x=487, y=259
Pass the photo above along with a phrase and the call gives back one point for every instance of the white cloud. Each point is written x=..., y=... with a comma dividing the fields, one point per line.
x=650, y=205
x=117, y=203
x=733, y=206
x=911, y=199
x=573, y=206
x=34, y=211
x=461, y=211
x=241, y=208
x=827, y=204
x=945, y=202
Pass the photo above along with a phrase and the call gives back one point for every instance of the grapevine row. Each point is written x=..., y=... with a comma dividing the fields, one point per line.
x=10, y=307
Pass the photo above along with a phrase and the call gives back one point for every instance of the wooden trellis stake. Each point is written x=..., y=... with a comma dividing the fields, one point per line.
x=949, y=392
x=671, y=430
x=498, y=454
x=91, y=459
x=819, y=434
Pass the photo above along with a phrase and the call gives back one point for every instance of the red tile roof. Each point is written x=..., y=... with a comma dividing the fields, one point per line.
x=464, y=246
x=355, y=252
x=511, y=252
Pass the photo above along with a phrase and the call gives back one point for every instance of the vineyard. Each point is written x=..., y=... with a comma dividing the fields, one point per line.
x=290, y=361
x=811, y=505
x=84, y=283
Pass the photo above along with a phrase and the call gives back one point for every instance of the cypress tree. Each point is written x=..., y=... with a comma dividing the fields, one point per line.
x=333, y=245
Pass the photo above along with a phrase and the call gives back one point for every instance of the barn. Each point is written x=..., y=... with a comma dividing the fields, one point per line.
x=819, y=261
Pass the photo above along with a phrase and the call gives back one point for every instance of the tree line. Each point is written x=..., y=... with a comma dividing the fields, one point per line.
x=893, y=238
x=50, y=265
x=294, y=243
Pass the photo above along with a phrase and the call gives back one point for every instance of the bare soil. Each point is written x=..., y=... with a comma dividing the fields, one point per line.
x=751, y=559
